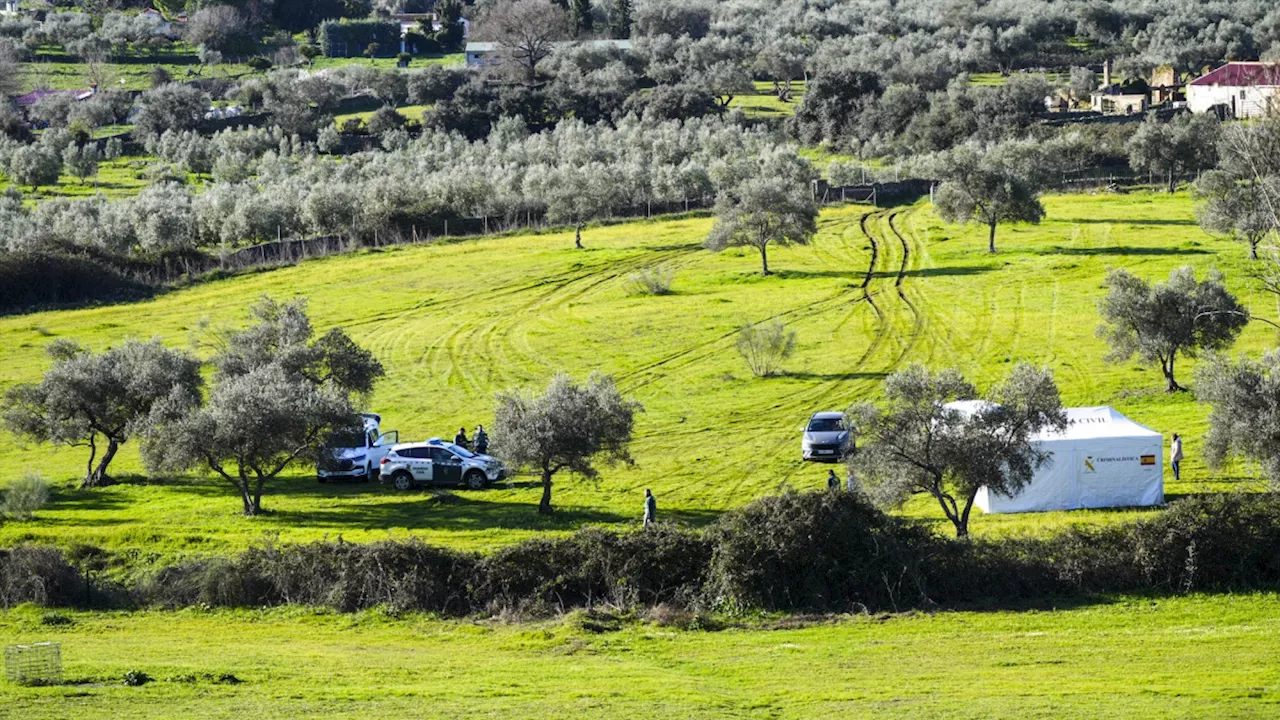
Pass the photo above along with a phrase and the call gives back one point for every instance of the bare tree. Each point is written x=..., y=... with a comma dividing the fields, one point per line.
x=568, y=427
x=526, y=32
x=764, y=346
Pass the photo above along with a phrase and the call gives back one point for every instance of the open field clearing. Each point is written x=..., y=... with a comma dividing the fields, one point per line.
x=454, y=323
x=1203, y=657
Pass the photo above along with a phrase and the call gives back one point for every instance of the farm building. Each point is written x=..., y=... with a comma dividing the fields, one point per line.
x=1120, y=98
x=1242, y=89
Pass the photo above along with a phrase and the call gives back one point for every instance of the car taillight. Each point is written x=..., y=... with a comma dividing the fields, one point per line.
x=385, y=461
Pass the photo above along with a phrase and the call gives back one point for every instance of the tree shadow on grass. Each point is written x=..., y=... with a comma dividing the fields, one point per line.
x=834, y=376
x=1126, y=250
x=1125, y=221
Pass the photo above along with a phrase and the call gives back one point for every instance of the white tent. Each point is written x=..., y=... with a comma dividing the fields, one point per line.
x=1103, y=459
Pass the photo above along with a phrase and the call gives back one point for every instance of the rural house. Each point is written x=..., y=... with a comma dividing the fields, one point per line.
x=1126, y=98
x=1241, y=89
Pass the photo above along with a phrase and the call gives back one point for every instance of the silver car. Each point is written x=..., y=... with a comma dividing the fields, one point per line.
x=826, y=437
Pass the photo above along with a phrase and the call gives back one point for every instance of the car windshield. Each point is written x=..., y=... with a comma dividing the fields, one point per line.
x=826, y=425
x=460, y=451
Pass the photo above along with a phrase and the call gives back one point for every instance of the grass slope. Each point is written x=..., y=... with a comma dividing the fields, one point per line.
x=1129, y=659
x=453, y=323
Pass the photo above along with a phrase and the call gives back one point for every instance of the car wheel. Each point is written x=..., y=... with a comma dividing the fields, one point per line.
x=322, y=479
x=368, y=474
x=476, y=480
x=402, y=481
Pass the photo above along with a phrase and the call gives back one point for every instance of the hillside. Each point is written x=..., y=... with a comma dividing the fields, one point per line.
x=455, y=323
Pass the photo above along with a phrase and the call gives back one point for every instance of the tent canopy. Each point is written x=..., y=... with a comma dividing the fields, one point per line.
x=1102, y=459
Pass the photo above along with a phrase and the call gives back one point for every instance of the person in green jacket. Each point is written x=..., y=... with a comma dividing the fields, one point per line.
x=650, y=508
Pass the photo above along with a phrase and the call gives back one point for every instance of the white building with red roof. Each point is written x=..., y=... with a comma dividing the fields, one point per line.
x=1245, y=89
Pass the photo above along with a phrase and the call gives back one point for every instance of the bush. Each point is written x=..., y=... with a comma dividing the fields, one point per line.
x=815, y=551
x=38, y=575
x=652, y=280
x=661, y=564
x=25, y=496
x=765, y=346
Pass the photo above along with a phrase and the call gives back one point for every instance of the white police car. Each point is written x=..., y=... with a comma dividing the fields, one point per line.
x=356, y=455
x=436, y=462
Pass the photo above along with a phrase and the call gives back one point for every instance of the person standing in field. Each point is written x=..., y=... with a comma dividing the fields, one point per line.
x=1175, y=457
x=461, y=439
x=833, y=482
x=650, y=508
x=482, y=440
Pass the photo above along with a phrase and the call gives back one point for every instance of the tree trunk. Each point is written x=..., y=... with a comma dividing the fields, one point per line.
x=1170, y=384
x=764, y=259
x=252, y=505
x=991, y=239
x=1173, y=184
x=1253, y=248
x=544, y=507
x=577, y=236
x=98, y=476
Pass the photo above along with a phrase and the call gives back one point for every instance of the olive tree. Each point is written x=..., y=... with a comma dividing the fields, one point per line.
x=915, y=442
x=577, y=195
x=278, y=393
x=1244, y=416
x=1186, y=144
x=1159, y=323
x=171, y=106
x=35, y=165
x=771, y=202
x=988, y=186
x=1235, y=207
x=568, y=427
x=87, y=399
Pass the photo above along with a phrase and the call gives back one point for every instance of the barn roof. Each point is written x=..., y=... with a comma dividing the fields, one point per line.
x=1242, y=74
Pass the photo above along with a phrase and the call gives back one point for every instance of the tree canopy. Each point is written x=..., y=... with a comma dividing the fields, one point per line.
x=1180, y=317
x=765, y=200
x=88, y=398
x=914, y=443
x=278, y=393
x=567, y=427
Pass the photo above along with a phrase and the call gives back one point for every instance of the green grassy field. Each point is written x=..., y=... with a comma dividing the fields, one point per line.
x=764, y=101
x=124, y=177
x=1201, y=657
x=454, y=323
x=55, y=70
x=409, y=112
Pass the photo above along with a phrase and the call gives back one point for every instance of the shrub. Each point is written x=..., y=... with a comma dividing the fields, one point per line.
x=594, y=566
x=765, y=346
x=25, y=496
x=817, y=551
x=39, y=575
x=652, y=280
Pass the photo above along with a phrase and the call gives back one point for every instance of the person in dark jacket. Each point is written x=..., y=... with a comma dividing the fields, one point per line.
x=461, y=439
x=650, y=508
x=482, y=440
x=833, y=482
